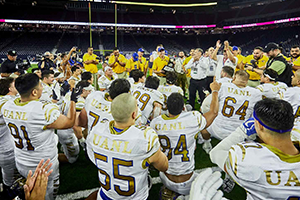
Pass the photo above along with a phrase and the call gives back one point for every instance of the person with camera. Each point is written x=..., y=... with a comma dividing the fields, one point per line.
x=256, y=60
x=276, y=62
x=9, y=66
x=46, y=63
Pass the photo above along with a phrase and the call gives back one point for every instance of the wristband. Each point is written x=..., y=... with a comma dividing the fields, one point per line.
x=214, y=91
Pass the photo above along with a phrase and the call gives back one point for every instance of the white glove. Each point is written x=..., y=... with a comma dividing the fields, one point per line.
x=205, y=186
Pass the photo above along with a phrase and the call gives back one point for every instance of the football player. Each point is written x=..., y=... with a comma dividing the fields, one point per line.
x=168, y=88
x=98, y=105
x=236, y=102
x=57, y=88
x=7, y=158
x=67, y=138
x=32, y=123
x=123, y=152
x=75, y=78
x=226, y=77
x=47, y=81
x=269, y=84
x=150, y=100
x=105, y=81
x=138, y=78
x=292, y=95
x=177, y=132
x=268, y=169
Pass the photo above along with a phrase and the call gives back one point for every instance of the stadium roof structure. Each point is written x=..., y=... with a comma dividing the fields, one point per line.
x=227, y=13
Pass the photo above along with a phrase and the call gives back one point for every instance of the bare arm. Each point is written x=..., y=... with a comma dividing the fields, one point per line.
x=260, y=71
x=82, y=119
x=214, y=106
x=156, y=110
x=122, y=63
x=43, y=64
x=68, y=56
x=295, y=67
x=65, y=122
x=160, y=161
x=96, y=62
x=215, y=52
x=228, y=52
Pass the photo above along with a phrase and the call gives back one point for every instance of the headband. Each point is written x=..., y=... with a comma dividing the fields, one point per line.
x=268, y=127
x=267, y=75
x=90, y=87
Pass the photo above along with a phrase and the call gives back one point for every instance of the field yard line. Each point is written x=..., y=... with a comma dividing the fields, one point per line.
x=85, y=193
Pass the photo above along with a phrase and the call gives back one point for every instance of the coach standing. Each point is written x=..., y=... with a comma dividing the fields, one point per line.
x=198, y=65
x=9, y=66
x=90, y=63
x=118, y=62
x=159, y=63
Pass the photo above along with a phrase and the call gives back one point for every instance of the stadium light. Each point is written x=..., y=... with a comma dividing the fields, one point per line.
x=263, y=23
x=162, y=4
x=102, y=24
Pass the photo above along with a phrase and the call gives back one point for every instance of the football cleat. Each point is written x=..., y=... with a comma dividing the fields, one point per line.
x=166, y=194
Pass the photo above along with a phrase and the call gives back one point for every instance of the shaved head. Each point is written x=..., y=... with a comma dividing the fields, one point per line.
x=242, y=75
x=122, y=107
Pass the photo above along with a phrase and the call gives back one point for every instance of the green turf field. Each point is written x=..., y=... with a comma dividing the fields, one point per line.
x=83, y=175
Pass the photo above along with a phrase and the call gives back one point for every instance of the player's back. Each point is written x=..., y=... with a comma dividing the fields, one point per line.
x=47, y=93
x=5, y=137
x=264, y=171
x=166, y=91
x=235, y=105
x=292, y=95
x=177, y=138
x=134, y=86
x=122, y=158
x=169, y=89
x=97, y=106
x=270, y=90
x=27, y=123
x=146, y=98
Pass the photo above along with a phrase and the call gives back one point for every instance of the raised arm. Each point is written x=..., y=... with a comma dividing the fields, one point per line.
x=229, y=53
x=214, y=105
x=215, y=52
x=65, y=122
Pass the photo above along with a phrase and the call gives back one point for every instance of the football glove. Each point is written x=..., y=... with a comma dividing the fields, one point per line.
x=248, y=127
x=205, y=186
x=54, y=96
x=76, y=92
x=64, y=89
